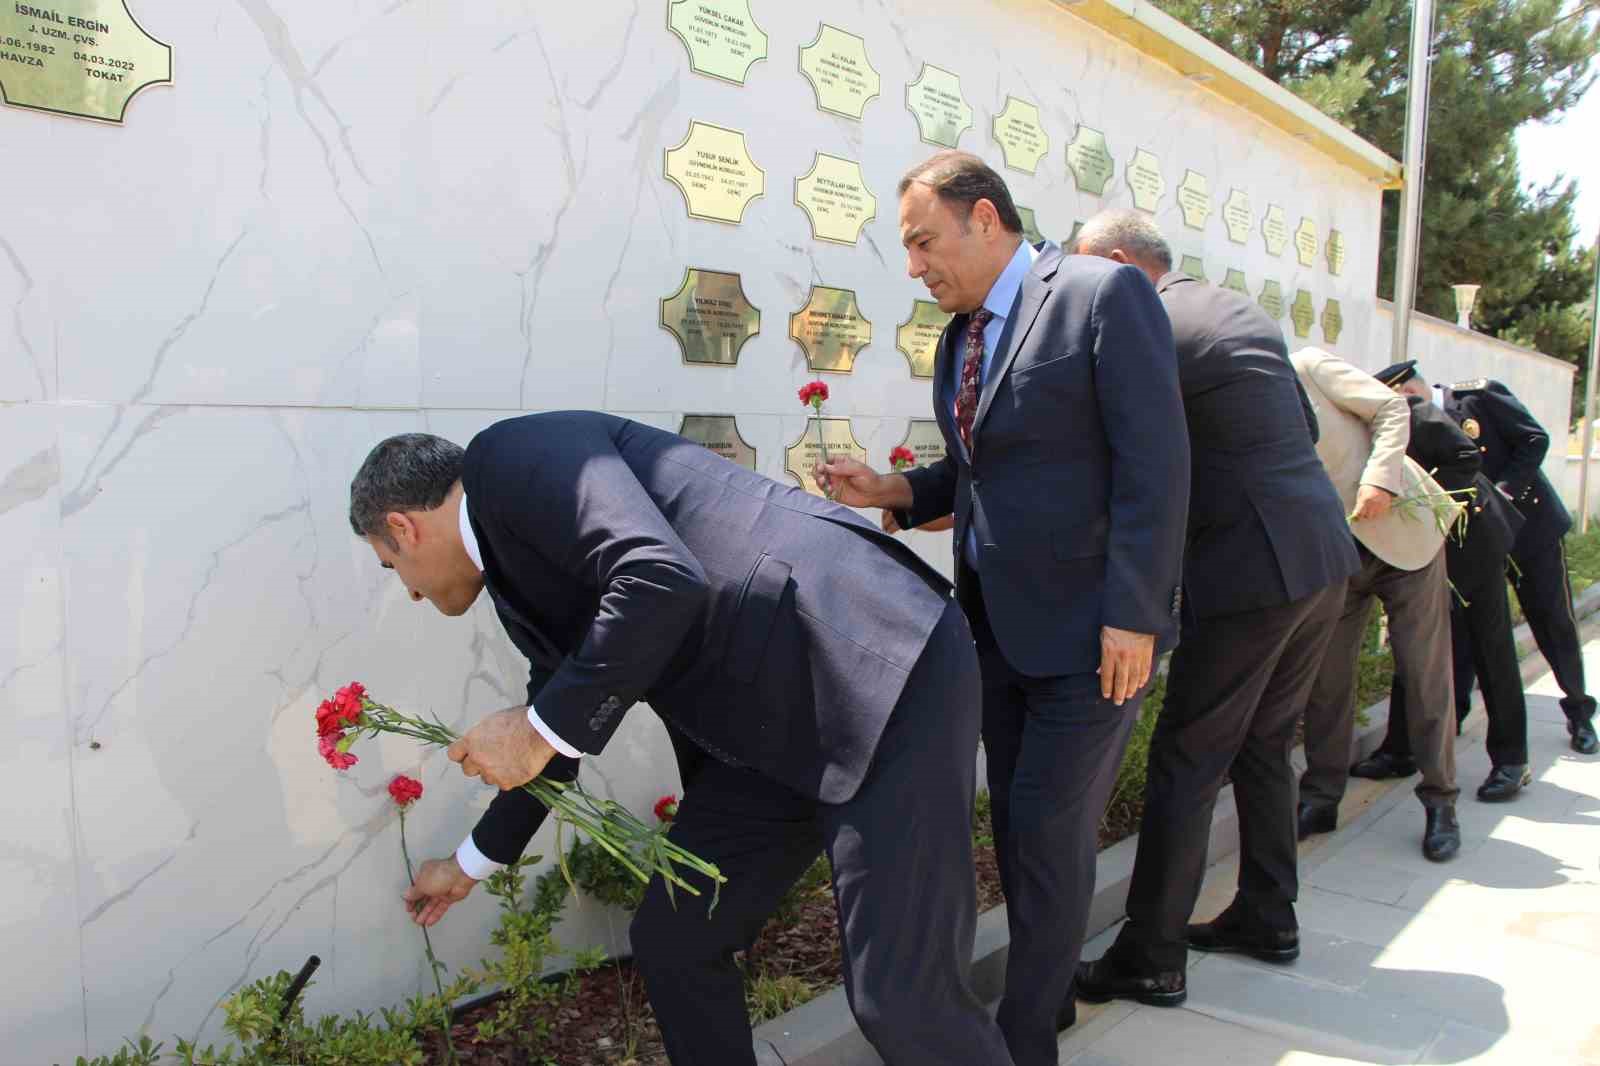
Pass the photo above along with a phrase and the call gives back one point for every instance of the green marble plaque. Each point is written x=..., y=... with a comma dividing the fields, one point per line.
x=1030, y=225
x=715, y=173
x=918, y=337
x=1271, y=299
x=841, y=77
x=801, y=457
x=1236, y=216
x=1192, y=266
x=1020, y=135
x=1332, y=321
x=710, y=317
x=1145, y=181
x=830, y=329
x=835, y=199
x=85, y=58
x=1335, y=250
x=1302, y=313
x=1274, y=229
x=719, y=433
x=1090, y=161
x=722, y=38
x=1235, y=281
x=1305, y=242
x=935, y=100
x=1194, y=199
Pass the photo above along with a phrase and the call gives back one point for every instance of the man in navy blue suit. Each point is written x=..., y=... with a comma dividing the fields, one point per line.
x=1067, y=470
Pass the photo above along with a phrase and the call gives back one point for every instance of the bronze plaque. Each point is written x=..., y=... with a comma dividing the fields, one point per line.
x=714, y=171
x=1235, y=281
x=722, y=39
x=836, y=66
x=1332, y=321
x=1090, y=161
x=1271, y=299
x=1335, y=250
x=1236, y=216
x=804, y=454
x=1194, y=199
x=1192, y=266
x=1021, y=135
x=918, y=337
x=1274, y=229
x=1305, y=242
x=924, y=440
x=710, y=317
x=835, y=199
x=85, y=58
x=719, y=433
x=1302, y=314
x=935, y=100
x=830, y=329
x=1145, y=181
x=1030, y=224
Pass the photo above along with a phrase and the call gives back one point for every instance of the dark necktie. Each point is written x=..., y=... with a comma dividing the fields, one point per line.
x=967, y=394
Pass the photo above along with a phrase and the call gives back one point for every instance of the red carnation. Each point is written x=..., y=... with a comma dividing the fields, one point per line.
x=902, y=457
x=814, y=393
x=328, y=746
x=666, y=808
x=405, y=790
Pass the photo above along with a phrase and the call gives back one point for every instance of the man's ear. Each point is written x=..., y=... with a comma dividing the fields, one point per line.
x=1119, y=256
x=402, y=528
x=986, y=217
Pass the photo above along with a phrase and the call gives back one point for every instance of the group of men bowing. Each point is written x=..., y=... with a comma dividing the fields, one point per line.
x=825, y=692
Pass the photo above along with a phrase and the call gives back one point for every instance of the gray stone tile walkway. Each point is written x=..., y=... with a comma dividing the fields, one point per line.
x=1493, y=958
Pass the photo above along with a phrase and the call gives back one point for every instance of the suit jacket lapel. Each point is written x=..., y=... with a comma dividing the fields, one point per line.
x=1030, y=301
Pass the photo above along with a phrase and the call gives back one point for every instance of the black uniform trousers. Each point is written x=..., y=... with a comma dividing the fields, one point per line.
x=1053, y=746
x=1236, y=686
x=1545, y=591
x=903, y=880
x=1481, y=643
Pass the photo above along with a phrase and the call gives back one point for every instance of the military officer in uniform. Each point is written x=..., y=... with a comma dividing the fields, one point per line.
x=1513, y=444
x=1480, y=614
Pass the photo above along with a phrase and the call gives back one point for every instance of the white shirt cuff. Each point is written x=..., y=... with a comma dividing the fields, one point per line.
x=474, y=863
x=550, y=736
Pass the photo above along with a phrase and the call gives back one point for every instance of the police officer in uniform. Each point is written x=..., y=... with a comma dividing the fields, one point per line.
x=1480, y=613
x=1513, y=444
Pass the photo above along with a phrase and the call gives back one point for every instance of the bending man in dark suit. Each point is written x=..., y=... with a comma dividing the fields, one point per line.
x=812, y=672
x=1067, y=469
x=1264, y=580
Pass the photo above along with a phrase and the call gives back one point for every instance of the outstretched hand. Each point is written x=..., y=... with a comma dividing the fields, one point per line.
x=440, y=885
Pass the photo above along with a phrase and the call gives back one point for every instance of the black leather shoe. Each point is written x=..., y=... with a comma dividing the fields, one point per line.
x=1504, y=782
x=1584, y=741
x=1227, y=933
x=1317, y=818
x=1382, y=766
x=1442, y=837
x=1104, y=980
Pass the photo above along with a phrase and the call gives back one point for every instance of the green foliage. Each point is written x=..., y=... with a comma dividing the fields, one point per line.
x=597, y=873
x=144, y=1053
x=525, y=942
x=767, y=997
x=1131, y=775
x=818, y=879
x=1375, y=668
x=1583, y=558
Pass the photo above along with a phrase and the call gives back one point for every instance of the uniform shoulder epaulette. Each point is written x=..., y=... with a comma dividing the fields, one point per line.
x=1470, y=385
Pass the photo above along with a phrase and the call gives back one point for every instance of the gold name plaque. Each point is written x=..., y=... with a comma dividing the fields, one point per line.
x=1302, y=313
x=710, y=317
x=1236, y=216
x=924, y=440
x=804, y=454
x=1145, y=181
x=1021, y=136
x=1305, y=242
x=85, y=58
x=1192, y=266
x=935, y=100
x=714, y=171
x=918, y=337
x=720, y=434
x=1271, y=299
x=1274, y=229
x=835, y=199
x=722, y=39
x=830, y=329
x=836, y=66
x=1194, y=199
x=1332, y=321
x=1335, y=250
x=1235, y=281
x=1090, y=161
x=1030, y=224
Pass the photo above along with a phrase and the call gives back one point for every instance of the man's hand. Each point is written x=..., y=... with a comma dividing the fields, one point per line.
x=1371, y=502
x=440, y=884
x=1125, y=662
x=504, y=749
x=888, y=522
x=855, y=484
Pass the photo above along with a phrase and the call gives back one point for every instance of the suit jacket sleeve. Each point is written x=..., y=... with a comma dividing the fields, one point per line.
x=1526, y=440
x=1383, y=409
x=1308, y=410
x=565, y=490
x=1141, y=409
x=933, y=492
x=503, y=831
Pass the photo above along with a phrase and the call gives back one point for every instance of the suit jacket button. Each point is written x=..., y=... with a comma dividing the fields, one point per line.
x=596, y=724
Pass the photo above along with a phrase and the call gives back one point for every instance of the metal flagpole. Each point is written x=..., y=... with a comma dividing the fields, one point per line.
x=1405, y=275
x=1588, y=397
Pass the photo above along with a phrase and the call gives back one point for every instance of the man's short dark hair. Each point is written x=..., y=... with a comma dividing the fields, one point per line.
x=961, y=179
x=411, y=472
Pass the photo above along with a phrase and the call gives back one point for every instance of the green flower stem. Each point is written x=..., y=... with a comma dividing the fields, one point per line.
x=427, y=945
